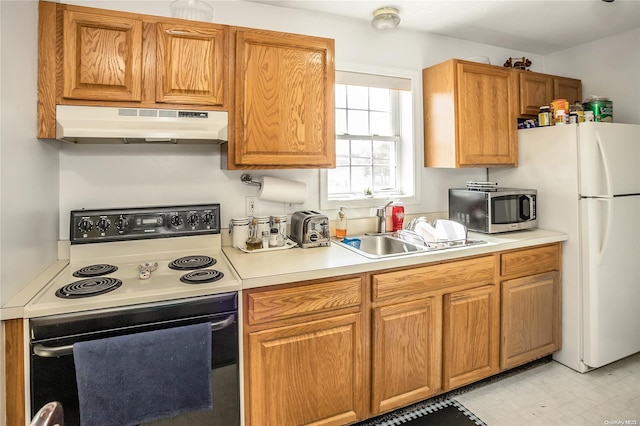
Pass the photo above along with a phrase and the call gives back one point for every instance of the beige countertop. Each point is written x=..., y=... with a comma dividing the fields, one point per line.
x=297, y=264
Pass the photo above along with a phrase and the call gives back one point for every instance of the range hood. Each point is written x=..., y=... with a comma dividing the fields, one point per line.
x=87, y=124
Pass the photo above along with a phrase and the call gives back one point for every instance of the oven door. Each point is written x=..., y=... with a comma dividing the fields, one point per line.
x=53, y=376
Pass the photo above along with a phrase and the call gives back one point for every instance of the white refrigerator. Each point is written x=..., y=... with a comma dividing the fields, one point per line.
x=588, y=181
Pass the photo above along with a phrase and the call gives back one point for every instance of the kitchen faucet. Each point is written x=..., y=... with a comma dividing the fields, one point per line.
x=381, y=214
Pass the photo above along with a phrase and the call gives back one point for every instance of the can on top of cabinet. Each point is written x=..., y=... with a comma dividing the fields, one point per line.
x=601, y=107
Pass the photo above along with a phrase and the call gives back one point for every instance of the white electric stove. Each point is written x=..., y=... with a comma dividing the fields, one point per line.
x=122, y=257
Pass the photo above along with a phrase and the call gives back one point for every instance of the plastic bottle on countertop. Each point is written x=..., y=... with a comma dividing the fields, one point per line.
x=341, y=224
x=397, y=216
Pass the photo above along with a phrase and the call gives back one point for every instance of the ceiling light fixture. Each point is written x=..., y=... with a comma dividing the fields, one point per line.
x=385, y=18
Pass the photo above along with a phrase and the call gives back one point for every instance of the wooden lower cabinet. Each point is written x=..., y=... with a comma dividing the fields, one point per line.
x=531, y=304
x=337, y=351
x=428, y=322
x=304, y=354
x=406, y=353
x=530, y=318
x=306, y=373
x=471, y=335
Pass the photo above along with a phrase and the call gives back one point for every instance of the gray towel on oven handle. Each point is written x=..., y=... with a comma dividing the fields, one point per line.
x=131, y=379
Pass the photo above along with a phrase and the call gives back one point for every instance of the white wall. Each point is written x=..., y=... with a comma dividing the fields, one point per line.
x=29, y=168
x=120, y=176
x=609, y=67
x=114, y=176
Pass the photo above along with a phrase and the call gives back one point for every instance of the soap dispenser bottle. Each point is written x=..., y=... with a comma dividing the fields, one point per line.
x=341, y=224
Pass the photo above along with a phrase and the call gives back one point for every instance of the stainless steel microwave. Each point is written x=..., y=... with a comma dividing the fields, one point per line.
x=495, y=210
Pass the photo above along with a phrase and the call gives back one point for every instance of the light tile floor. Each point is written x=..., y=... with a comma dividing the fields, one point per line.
x=553, y=394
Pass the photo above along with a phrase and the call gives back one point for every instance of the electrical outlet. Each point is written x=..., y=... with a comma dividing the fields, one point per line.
x=251, y=205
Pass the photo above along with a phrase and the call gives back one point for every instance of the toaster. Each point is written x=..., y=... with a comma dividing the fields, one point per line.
x=310, y=229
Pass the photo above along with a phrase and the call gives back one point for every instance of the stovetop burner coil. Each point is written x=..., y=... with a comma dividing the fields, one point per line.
x=95, y=270
x=192, y=262
x=88, y=287
x=201, y=276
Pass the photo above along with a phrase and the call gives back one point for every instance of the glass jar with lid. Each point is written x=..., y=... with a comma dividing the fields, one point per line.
x=280, y=222
x=254, y=242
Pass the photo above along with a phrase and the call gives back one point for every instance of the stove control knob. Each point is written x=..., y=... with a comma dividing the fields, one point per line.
x=176, y=220
x=193, y=219
x=208, y=219
x=103, y=224
x=122, y=223
x=85, y=225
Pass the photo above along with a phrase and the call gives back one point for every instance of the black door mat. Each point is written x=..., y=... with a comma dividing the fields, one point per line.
x=433, y=412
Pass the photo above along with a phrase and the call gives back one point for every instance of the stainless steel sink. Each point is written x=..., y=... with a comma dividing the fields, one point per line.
x=389, y=245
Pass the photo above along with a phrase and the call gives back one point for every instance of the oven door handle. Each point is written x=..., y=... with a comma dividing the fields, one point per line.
x=56, y=351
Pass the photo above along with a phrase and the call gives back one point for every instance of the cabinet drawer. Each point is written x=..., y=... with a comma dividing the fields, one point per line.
x=303, y=300
x=431, y=278
x=530, y=261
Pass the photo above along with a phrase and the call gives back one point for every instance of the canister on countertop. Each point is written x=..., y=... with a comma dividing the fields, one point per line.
x=262, y=225
x=560, y=117
x=601, y=107
x=239, y=229
x=280, y=222
x=254, y=242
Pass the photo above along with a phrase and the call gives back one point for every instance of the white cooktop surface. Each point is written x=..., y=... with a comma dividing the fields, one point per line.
x=164, y=283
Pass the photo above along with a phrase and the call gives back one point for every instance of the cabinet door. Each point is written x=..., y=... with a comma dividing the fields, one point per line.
x=284, y=114
x=471, y=335
x=191, y=63
x=531, y=321
x=536, y=90
x=567, y=88
x=102, y=57
x=309, y=373
x=485, y=115
x=406, y=353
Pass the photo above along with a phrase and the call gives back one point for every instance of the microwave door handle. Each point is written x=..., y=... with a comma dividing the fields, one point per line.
x=57, y=351
x=522, y=201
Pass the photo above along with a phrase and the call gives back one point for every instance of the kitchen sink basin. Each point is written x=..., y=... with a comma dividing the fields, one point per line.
x=377, y=246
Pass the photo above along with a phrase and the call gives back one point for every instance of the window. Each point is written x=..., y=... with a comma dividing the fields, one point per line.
x=375, y=156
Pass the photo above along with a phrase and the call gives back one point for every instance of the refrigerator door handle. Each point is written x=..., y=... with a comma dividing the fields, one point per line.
x=606, y=221
x=605, y=166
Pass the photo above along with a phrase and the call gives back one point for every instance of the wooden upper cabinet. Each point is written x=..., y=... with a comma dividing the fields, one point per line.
x=97, y=57
x=567, y=88
x=284, y=101
x=470, y=115
x=102, y=57
x=190, y=63
x=535, y=90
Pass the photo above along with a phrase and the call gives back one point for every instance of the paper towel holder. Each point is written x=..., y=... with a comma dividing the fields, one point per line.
x=248, y=180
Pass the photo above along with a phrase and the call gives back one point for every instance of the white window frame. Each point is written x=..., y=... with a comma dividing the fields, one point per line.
x=410, y=152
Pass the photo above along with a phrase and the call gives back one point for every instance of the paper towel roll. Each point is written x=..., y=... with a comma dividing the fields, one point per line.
x=282, y=190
